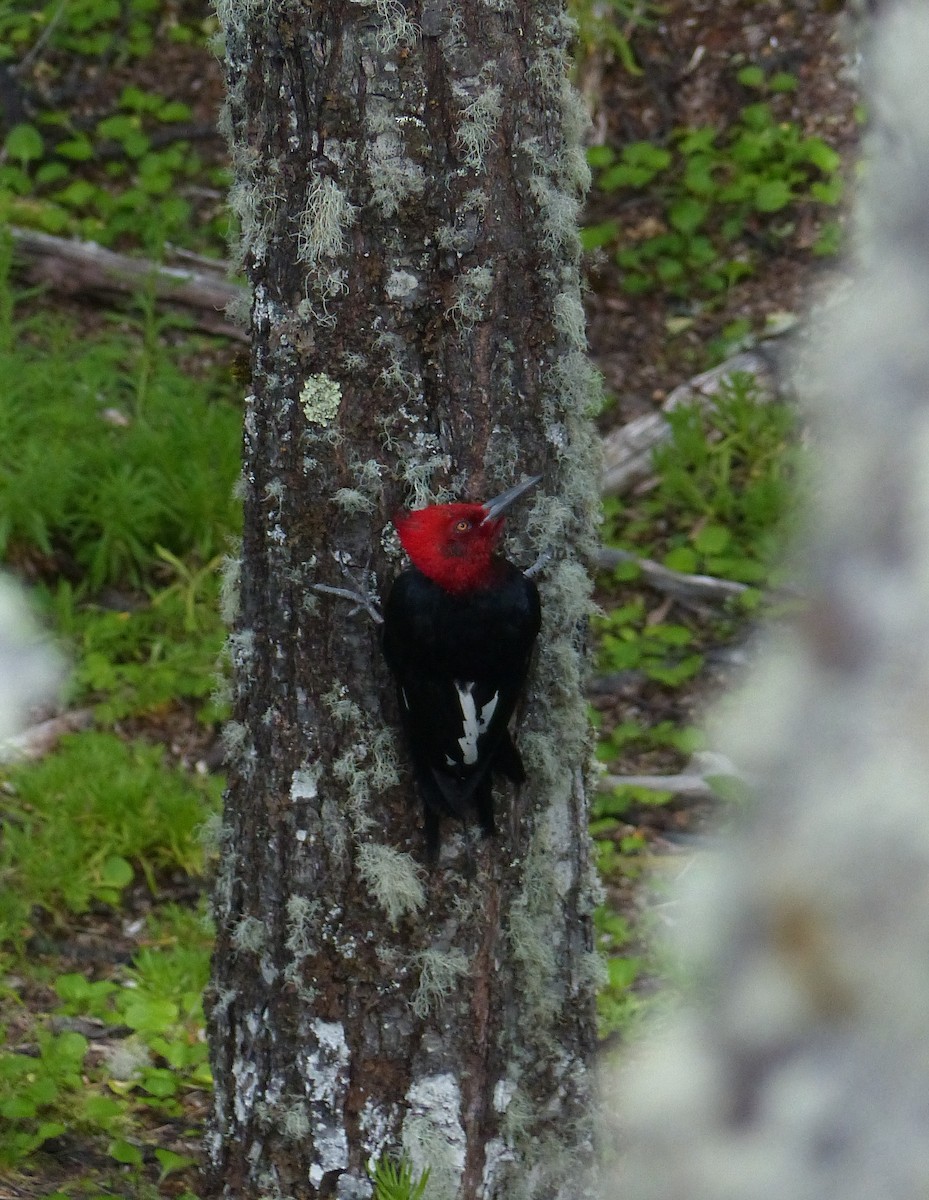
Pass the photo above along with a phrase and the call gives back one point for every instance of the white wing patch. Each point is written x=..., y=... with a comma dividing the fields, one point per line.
x=474, y=723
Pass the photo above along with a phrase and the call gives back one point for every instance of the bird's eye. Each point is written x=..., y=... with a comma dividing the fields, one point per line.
x=463, y=526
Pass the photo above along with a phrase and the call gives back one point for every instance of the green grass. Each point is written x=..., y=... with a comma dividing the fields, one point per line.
x=109, y=450
x=105, y=812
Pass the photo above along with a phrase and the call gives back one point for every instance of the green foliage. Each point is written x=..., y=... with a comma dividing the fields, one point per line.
x=397, y=1181
x=145, y=658
x=101, y=810
x=60, y=1088
x=110, y=454
x=725, y=484
x=716, y=191
x=117, y=176
x=34, y=1089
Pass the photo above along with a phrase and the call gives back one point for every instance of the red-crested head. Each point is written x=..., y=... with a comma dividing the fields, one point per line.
x=454, y=544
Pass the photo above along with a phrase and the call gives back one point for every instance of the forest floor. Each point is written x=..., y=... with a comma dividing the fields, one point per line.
x=687, y=61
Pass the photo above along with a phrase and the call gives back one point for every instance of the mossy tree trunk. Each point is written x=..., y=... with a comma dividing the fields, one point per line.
x=407, y=182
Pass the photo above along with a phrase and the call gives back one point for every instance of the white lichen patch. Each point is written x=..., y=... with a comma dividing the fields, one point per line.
x=325, y=1070
x=304, y=782
x=433, y=1138
x=320, y=398
x=401, y=284
x=393, y=879
x=375, y=1123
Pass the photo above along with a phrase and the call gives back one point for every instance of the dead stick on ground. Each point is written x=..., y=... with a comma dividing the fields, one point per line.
x=71, y=267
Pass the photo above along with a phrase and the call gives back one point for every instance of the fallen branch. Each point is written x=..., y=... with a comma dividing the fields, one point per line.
x=678, y=584
x=38, y=740
x=693, y=784
x=71, y=267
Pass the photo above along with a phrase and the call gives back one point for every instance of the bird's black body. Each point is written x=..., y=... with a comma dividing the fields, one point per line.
x=460, y=661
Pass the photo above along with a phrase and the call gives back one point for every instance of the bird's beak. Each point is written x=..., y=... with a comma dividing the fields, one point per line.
x=496, y=507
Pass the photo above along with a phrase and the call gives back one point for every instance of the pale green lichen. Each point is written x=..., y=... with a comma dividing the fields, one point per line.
x=570, y=319
x=229, y=574
x=302, y=915
x=472, y=288
x=250, y=934
x=440, y=972
x=393, y=879
x=323, y=223
x=394, y=28
x=350, y=500
x=320, y=398
x=479, y=120
x=395, y=177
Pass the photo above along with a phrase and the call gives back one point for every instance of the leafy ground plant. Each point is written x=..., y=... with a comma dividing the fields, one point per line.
x=714, y=191
x=145, y=1066
x=119, y=169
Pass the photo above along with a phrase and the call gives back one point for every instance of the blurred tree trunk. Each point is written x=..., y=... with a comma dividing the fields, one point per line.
x=407, y=179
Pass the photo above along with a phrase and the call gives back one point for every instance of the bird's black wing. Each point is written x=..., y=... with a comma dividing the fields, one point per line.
x=460, y=663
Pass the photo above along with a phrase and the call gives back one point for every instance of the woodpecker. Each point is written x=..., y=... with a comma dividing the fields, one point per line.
x=459, y=627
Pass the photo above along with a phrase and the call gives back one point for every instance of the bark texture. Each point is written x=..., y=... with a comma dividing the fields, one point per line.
x=798, y=1067
x=407, y=182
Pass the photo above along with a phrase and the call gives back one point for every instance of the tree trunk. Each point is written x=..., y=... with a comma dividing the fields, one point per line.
x=407, y=183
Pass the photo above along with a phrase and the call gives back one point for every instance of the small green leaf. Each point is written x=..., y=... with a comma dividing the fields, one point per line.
x=116, y=872
x=78, y=149
x=687, y=215
x=815, y=151
x=783, y=81
x=622, y=972
x=712, y=539
x=24, y=143
x=829, y=192
x=171, y=1162
x=102, y=1110
x=160, y=1082
x=683, y=559
x=772, y=195
x=594, y=236
x=600, y=156
x=751, y=77
x=17, y=1108
x=125, y=1152
x=146, y=1014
